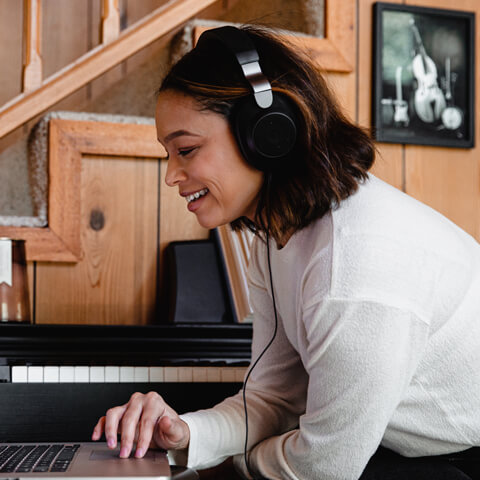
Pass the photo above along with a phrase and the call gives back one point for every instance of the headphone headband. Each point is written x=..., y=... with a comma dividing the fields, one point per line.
x=264, y=123
x=241, y=45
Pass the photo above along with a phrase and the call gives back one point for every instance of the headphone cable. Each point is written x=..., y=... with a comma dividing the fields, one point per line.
x=247, y=461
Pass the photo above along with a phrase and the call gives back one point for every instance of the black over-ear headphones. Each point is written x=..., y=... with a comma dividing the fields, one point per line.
x=264, y=123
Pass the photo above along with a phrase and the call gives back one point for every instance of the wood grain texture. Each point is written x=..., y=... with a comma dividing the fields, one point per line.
x=449, y=179
x=110, y=21
x=11, y=28
x=32, y=70
x=65, y=37
x=97, y=61
x=115, y=282
x=68, y=141
x=389, y=163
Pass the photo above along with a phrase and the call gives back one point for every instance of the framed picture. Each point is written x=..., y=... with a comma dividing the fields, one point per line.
x=423, y=76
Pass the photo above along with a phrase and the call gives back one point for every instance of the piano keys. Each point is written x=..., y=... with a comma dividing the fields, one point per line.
x=123, y=374
x=57, y=380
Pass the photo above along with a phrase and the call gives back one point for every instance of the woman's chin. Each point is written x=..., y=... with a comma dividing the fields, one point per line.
x=211, y=223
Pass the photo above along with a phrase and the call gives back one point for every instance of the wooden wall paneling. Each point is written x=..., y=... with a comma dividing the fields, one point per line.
x=101, y=84
x=68, y=141
x=115, y=281
x=341, y=32
x=65, y=37
x=134, y=11
x=389, y=163
x=11, y=28
x=449, y=179
x=31, y=288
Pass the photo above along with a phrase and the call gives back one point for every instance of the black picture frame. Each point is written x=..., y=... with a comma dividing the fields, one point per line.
x=423, y=76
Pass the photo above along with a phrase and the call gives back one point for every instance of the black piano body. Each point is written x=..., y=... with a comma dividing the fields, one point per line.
x=34, y=410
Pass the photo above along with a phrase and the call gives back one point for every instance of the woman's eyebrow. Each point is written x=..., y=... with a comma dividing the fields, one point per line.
x=179, y=133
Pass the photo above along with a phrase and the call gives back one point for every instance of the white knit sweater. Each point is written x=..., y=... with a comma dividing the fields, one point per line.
x=378, y=343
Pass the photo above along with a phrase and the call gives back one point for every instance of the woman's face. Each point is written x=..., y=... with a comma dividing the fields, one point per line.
x=204, y=161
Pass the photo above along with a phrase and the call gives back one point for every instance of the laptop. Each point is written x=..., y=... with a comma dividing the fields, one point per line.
x=84, y=461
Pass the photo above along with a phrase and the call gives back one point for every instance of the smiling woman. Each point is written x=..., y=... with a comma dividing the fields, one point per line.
x=363, y=299
x=204, y=161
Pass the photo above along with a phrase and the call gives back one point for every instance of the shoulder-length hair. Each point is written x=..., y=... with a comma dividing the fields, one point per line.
x=332, y=154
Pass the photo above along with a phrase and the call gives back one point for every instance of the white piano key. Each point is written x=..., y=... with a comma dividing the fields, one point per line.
x=200, y=374
x=19, y=374
x=170, y=374
x=81, y=375
x=67, y=374
x=126, y=375
x=51, y=374
x=97, y=374
x=35, y=374
x=156, y=374
x=140, y=375
x=228, y=374
x=185, y=374
x=213, y=374
x=112, y=374
x=240, y=373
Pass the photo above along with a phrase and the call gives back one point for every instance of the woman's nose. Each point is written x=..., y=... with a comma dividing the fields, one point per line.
x=175, y=173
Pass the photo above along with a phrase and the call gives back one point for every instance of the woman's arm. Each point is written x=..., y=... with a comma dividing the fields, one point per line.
x=276, y=396
x=361, y=357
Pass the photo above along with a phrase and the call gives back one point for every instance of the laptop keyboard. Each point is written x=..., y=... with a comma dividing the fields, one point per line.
x=36, y=458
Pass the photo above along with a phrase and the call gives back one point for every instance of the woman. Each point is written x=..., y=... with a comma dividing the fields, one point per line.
x=366, y=346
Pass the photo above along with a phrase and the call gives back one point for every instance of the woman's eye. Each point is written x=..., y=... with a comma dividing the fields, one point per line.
x=184, y=152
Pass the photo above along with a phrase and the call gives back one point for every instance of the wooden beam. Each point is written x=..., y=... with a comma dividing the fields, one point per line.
x=97, y=61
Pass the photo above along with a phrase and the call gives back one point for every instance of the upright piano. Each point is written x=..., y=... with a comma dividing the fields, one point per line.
x=57, y=380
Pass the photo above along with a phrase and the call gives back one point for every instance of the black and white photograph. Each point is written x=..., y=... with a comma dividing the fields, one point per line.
x=423, y=76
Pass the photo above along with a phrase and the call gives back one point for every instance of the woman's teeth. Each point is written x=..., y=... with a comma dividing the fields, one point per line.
x=194, y=196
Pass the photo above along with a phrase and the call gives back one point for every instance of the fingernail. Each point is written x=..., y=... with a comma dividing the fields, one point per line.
x=124, y=452
x=139, y=453
x=111, y=442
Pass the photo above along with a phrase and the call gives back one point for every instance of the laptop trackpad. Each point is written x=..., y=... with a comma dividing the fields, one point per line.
x=107, y=454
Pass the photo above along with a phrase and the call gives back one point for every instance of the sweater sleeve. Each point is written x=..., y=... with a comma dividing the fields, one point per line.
x=276, y=394
x=361, y=356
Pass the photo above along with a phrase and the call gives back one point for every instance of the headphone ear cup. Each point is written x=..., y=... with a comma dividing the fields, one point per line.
x=266, y=137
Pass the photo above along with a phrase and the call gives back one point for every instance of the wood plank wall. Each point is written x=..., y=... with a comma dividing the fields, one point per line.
x=446, y=179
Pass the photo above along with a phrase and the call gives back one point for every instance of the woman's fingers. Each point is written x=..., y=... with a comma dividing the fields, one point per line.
x=130, y=424
x=98, y=429
x=112, y=421
x=147, y=420
x=153, y=409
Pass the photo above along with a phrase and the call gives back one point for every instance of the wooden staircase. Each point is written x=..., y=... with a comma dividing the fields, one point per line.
x=40, y=94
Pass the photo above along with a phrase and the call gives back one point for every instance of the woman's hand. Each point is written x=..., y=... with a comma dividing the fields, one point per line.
x=147, y=420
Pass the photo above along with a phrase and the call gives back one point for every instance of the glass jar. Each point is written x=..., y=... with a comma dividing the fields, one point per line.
x=14, y=297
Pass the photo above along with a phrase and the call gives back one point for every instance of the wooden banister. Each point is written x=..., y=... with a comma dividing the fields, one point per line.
x=110, y=21
x=97, y=61
x=32, y=69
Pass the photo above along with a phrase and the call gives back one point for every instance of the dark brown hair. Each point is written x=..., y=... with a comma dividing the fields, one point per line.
x=332, y=154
